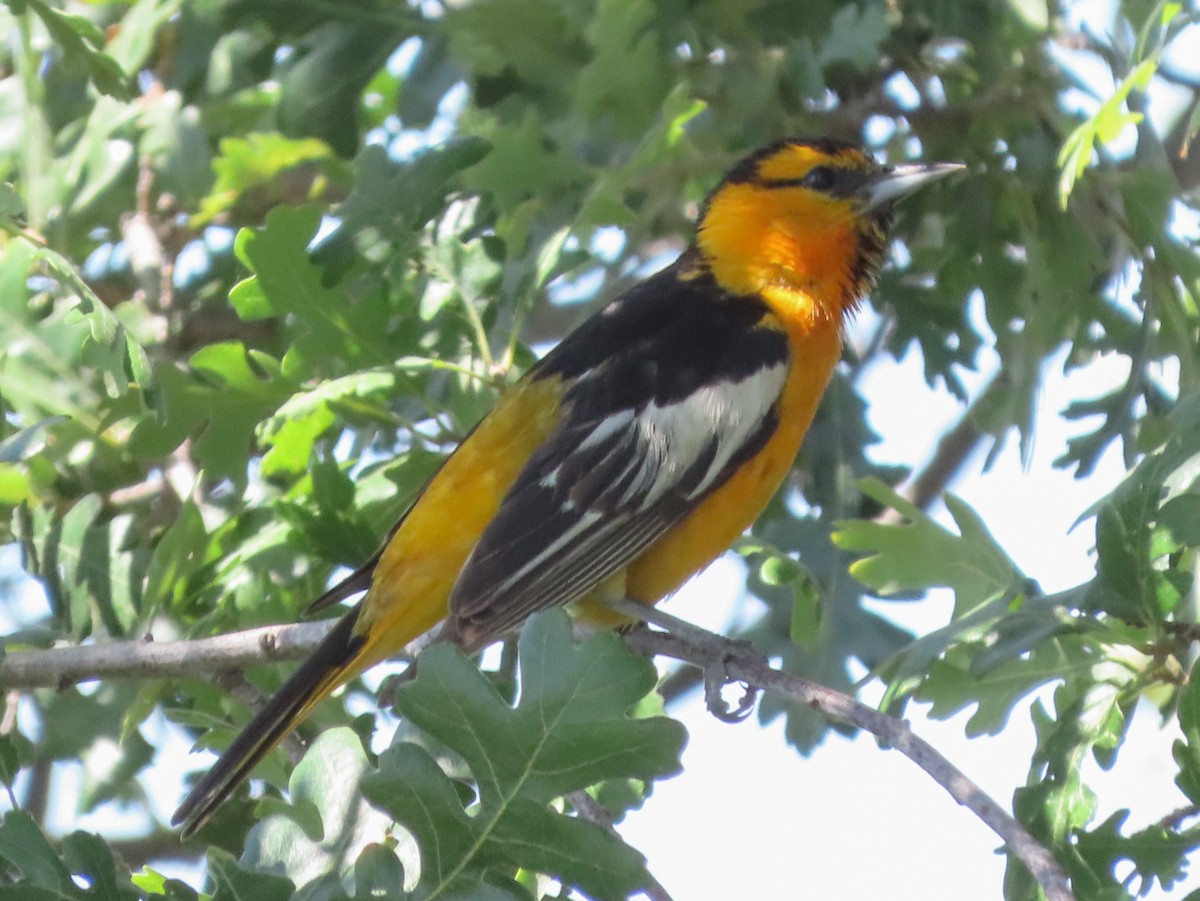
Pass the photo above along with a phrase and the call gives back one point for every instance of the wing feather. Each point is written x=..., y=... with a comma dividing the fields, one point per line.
x=604, y=488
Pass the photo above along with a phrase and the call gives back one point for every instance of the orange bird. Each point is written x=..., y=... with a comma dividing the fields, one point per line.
x=638, y=449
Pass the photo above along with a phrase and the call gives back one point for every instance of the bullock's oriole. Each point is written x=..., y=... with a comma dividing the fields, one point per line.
x=638, y=449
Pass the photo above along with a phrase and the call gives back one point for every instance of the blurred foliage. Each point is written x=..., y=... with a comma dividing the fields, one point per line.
x=263, y=265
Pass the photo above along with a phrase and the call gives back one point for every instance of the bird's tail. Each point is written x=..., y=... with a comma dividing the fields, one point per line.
x=334, y=661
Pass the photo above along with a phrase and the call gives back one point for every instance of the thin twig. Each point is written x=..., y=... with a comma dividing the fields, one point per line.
x=1175, y=819
x=588, y=808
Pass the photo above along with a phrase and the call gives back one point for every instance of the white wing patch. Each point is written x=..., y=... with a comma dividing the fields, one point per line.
x=608, y=427
x=677, y=434
x=671, y=438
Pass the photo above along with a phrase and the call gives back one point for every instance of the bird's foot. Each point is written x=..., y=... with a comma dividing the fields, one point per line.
x=716, y=650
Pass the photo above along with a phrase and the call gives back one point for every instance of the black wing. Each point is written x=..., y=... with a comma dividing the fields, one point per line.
x=673, y=386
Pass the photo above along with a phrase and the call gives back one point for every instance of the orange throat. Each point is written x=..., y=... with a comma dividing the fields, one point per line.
x=802, y=257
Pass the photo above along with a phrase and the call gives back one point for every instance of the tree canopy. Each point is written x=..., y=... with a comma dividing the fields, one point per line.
x=264, y=264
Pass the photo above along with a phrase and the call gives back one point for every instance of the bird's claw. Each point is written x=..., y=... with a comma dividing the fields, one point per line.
x=716, y=677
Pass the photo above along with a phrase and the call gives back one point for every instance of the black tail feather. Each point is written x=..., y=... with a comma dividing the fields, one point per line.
x=317, y=676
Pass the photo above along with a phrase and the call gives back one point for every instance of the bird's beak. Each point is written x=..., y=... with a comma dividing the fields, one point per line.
x=900, y=181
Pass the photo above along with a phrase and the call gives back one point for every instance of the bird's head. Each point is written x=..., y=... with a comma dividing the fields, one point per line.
x=807, y=220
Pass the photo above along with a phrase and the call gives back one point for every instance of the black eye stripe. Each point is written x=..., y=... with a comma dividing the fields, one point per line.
x=819, y=178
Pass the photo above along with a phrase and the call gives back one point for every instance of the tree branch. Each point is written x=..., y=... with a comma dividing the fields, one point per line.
x=162, y=844
x=200, y=658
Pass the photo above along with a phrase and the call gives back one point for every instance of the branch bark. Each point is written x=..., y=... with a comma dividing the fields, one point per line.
x=200, y=658
x=197, y=658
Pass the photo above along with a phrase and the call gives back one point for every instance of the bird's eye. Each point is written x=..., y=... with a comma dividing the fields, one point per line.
x=820, y=178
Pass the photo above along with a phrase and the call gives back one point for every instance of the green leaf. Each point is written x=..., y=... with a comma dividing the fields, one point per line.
x=327, y=825
x=235, y=884
x=1189, y=707
x=1104, y=127
x=1157, y=853
x=81, y=41
x=255, y=161
x=71, y=566
x=24, y=847
x=1131, y=581
x=88, y=856
x=176, y=142
x=292, y=431
x=219, y=404
x=399, y=198
x=320, y=92
x=326, y=327
x=105, y=328
x=569, y=731
x=15, y=487
x=12, y=749
x=177, y=556
x=920, y=554
x=1181, y=517
x=855, y=35
x=1187, y=751
x=572, y=708
x=776, y=569
x=78, y=723
x=411, y=787
x=625, y=77
x=522, y=164
x=151, y=882
x=109, y=774
x=953, y=683
x=11, y=205
x=538, y=39
x=134, y=41
x=378, y=875
x=26, y=442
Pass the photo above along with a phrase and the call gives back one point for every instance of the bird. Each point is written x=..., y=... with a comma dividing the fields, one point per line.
x=637, y=450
